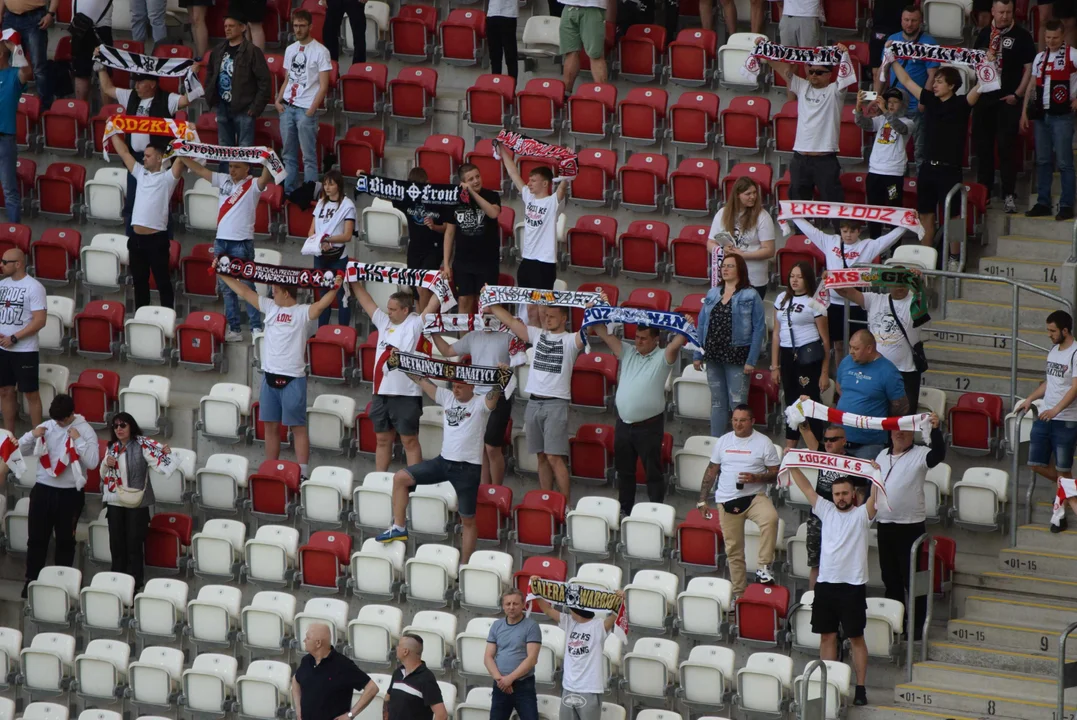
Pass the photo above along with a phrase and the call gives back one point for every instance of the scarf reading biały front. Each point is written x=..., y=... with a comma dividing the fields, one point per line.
x=827, y=55
x=461, y=322
x=510, y=294
x=577, y=596
x=431, y=280
x=429, y=367
x=251, y=271
x=530, y=147
x=893, y=216
x=798, y=412
x=418, y=193
x=1067, y=488
x=986, y=72
x=667, y=321
x=255, y=155
x=842, y=464
x=117, y=59
x=879, y=279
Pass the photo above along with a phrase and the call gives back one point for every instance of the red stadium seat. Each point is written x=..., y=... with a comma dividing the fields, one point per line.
x=855, y=185
x=977, y=208
x=646, y=299
x=96, y=394
x=700, y=546
x=200, y=341
x=14, y=236
x=168, y=539
x=317, y=10
x=491, y=102
x=55, y=256
x=366, y=442
x=65, y=125
x=26, y=175
x=196, y=281
x=323, y=561
x=744, y=125
x=274, y=489
x=851, y=138
x=412, y=31
x=691, y=305
x=590, y=453
x=297, y=221
x=910, y=193
x=842, y=15
x=493, y=513
x=331, y=354
x=785, y=129
x=462, y=37
x=59, y=190
x=975, y=423
x=362, y=148
x=411, y=95
x=763, y=398
x=367, y=355
x=97, y=125
x=260, y=427
x=506, y=221
x=693, y=187
x=945, y=559
x=171, y=52
x=761, y=612
x=490, y=168
x=642, y=182
x=278, y=75
x=693, y=121
x=612, y=294
x=99, y=329
x=590, y=244
x=594, y=377
x=122, y=78
x=597, y=169
x=688, y=257
x=538, y=106
x=538, y=521
x=590, y=111
x=798, y=248
x=362, y=90
x=762, y=174
x=267, y=132
x=547, y=568
x=267, y=212
x=206, y=126
x=640, y=53
x=641, y=116
x=440, y=156
x=641, y=250
x=27, y=121
x=691, y=57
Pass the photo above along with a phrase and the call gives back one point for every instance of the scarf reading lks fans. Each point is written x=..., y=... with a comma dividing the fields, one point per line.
x=798, y=412
x=576, y=596
x=1067, y=488
x=251, y=271
x=843, y=464
x=390, y=274
x=878, y=279
x=530, y=147
x=510, y=294
x=416, y=193
x=893, y=216
x=986, y=72
x=255, y=155
x=117, y=59
x=829, y=55
x=666, y=321
x=428, y=367
x=461, y=322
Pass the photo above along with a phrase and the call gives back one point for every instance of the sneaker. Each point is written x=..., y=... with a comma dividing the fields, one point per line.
x=1011, y=204
x=1038, y=210
x=953, y=265
x=861, y=695
x=763, y=575
x=233, y=336
x=392, y=535
x=1061, y=527
x=1065, y=213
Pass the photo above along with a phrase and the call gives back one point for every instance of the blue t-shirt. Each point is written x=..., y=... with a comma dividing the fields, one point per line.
x=917, y=69
x=10, y=91
x=868, y=390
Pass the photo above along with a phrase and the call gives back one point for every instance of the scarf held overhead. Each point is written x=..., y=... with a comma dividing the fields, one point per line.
x=510, y=294
x=577, y=596
x=844, y=464
x=404, y=191
x=879, y=279
x=461, y=322
x=256, y=155
x=428, y=279
x=530, y=147
x=893, y=216
x=986, y=72
x=121, y=123
x=666, y=321
x=274, y=274
x=828, y=55
x=117, y=59
x=429, y=367
x=798, y=412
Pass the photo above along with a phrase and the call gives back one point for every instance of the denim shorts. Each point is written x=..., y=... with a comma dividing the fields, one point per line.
x=465, y=479
x=288, y=405
x=1052, y=437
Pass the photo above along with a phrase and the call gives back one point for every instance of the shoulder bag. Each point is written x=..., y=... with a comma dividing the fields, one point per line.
x=919, y=357
x=808, y=354
x=82, y=24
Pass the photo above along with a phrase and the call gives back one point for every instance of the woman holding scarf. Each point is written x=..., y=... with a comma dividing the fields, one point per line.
x=744, y=227
x=334, y=224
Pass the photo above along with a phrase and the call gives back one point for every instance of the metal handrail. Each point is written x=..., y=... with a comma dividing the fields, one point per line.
x=1015, y=472
x=1073, y=250
x=963, y=191
x=802, y=706
x=1060, y=713
x=910, y=604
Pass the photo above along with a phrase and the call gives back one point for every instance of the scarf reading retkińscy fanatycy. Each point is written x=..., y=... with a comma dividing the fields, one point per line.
x=827, y=55
x=429, y=367
x=667, y=321
x=799, y=411
x=461, y=322
x=843, y=464
x=428, y=279
x=274, y=274
x=510, y=294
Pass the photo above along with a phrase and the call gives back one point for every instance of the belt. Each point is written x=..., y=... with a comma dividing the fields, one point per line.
x=652, y=419
x=544, y=397
x=936, y=163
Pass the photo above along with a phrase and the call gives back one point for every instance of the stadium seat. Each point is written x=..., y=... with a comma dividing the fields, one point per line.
x=223, y=412
x=329, y=423
x=148, y=335
x=263, y=689
x=10, y=647
x=590, y=243
x=691, y=400
x=590, y=112
x=327, y=611
x=693, y=187
x=688, y=258
x=762, y=174
x=706, y=677
x=975, y=424
x=323, y=561
x=732, y=56
x=640, y=53
x=374, y=633
x=690, y=306
x=213, y=617
x=592, y=526
x=647, y=534
x=377, y=570
x=106, y=196
x=99, y=329
x=438, y=631
x=46, y=665
x=55, y=256
x=483, y=579
x=642, y=252
x=372, y=502
x=324, y=496
x=591, y=451
x=980, y=498
x=761, y=612
x=650, y=601
x=273, y=490
x=494, y=513
x=154, y=678
x=539, y=104
x=16, y=526
x=471, y=650
x=217, y=548
x=540, y=40
x=430, y=576
x=646, y=299
x=691, y=57
x=210, y=684
x=383, y=226
x=220, y=484
x=839, y=688
x=64, y=126
x=270, y=557
x=160, y=607
x=432, y=511
x=594, y=378
x=411, y=95
x=411, y=33
x=699, y=539
x=548, y=568
x=764, y=683
x=693, y=121
x=490, y=168
x=461, y=37
x=650, y=669
x=491, y=103
x=200, y=208
x=105, y=605
x=52, y=599
x=641, y=116
x=27, y=122
x=642, y=182
x=798, y=249
x=440, y=156
x=59, y=190
x=703, y=608
x=361, y=148
x=745, y=121
x=885, y=623
x=593, y=184
x=538, y=521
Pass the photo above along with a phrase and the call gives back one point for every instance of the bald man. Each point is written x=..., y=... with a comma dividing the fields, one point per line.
x=22, y=315
x=870, y=385
x=413, y=692
x=324, y=684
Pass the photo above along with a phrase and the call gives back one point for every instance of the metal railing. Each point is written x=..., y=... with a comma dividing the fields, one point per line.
x=963, y=234
x=916, y=577
x=1073, y=249
x=813, y=709
x=1015, y=473
x=1067, y=672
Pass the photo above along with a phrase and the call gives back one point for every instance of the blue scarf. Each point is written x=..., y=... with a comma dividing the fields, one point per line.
x=667, y=321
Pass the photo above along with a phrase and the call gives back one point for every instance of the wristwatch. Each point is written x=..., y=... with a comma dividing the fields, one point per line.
x=350, y=715
x=13, y=339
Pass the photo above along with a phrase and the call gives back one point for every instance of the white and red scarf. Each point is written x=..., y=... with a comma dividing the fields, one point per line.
x=828, y=55
x=18, y=57
x=255, y=155
x=153, y=453
x=530, y=147
x=1067, y=488
x=431, y=280
x=69, y=457
x=843, y=464
x=461, y=322
x=987, y=72
x=11, y=455
x=801, y=410
x=1055, y=72
x=893, y=216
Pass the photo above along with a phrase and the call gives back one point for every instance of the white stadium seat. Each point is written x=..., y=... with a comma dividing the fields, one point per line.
x=200, y=208
x=431, y=575
x=471, y=649
x=10, y=647
x=438, y=631
x=159, y=608
x=591, y=527
x=482, y=580
x=147, y=397
x=540, y=38
x=213, y=616
x=103, y=262
x=148, y=335
x=7, y=709
x=105, y=196
x=980, y=498
x=325, y=611
x=101, y=670
x=266, y=623
x=551, y=654
x=53, y=596
x=646, y=533
x=432, y=510
x=373, y=634
x=599, y=575
x=690, y=462
x=263, y=689
x=886, y=622
x=431, y=430
x=330, y=421
x=324, y=496
x=45, y=711
x=60, y=316
x=155, y=676
x=210, y=684
x=838, y=687
x=270, y=556
x=17, y=526
x=377, y=569
x=651, y=668
x=650, y=600
x=382, y=225
x=703, y=607
x=171, y=488
x=803, y=637
x=692, y=395
x=796, y=549
x=752, y=540
x=52, y=381
x=223, y=412
x=221, y=483
x=731, y=58
x=373, y=502
x=107, y=602
x=218, y=547
x=764, y=683
x=706, y=676
x=476, y=706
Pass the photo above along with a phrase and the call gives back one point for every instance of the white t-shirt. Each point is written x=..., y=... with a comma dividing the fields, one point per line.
x=238, y=221
x=1060, y=380
x=95, y=9
x=540, y=226
x=888, y=151
x=551, y=369
x=843, y=556
x=485, y=348
x=503, y=8
x=19, y=299
x=818, y=114
x=904, y=476
x=304, y=63
x=749, y=240
x=587, y=3
x=888, y=338
x=284, y=347
x=855, y=253
x=152, y=197
x=582, y=666
x=407, y=336
x=753, y=454
x=329, y=219
x=803, y=8
x=802, y=310
x=465, y=427
x=139, y=141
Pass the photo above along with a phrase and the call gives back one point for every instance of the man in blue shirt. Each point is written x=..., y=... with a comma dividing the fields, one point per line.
x=869, y=385
x=15, y=72
x=922, y=72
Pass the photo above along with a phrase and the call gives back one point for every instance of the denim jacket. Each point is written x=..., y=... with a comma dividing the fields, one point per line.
x=749, y=325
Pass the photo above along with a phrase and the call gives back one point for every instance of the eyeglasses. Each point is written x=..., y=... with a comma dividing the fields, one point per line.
x=119, y=426
x=7, y=262
x=833, y=439
x=818, y=72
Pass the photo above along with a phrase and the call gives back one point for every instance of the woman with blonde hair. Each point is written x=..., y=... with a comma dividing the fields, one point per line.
x=744, y=227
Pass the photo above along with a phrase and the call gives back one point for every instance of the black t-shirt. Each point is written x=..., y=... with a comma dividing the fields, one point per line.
x=421, y=239
x=478, y=237
x=946, y=127
x=886, y=15
x=327, y=687
x=411, y=697
x=1017, y=50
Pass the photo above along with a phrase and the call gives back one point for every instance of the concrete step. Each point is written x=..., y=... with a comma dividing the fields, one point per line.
x=998, y=609
x=894, y=712
x=994, y=291
x=1041, y=513
x=1029, y=315
x=1038, y=562
x=992, y=658
x=988, y=704
x=1040, y=537
x=1029, y=587
x=965, y=333
x=1018, y=268
x=976, y=679
x=1034, y=248
x=959, y=380
x=1042, y=227
x=1026, y=638
x=982, y=357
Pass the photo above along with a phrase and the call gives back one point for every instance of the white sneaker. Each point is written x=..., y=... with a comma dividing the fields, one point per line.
x=1011, y=203
x=953, y=265
x=233, y=336
x=763, y=575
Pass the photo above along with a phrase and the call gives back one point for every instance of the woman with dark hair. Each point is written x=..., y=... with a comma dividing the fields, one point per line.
x=743, y=227
x=127, y=492
x=731, y=329
x=800, y=348
x=333, y=225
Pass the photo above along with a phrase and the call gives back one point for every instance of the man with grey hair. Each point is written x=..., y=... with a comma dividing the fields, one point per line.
x=323, y=685
x=512, y=650
x=413, y=692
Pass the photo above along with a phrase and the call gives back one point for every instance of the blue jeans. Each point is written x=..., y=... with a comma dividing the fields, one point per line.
x=35, y=43
x=522, y=699
x=243, y=249
x=233, y=130
x=9, y=156
x=729, y=388
x=1054, y=136
x=1052, y=438
x=148, y=14
x=298, y=131
x=344, y=314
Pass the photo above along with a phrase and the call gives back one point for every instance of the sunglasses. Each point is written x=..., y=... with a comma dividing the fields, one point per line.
x=119, y=426
x=833, y=439
x=818, y=72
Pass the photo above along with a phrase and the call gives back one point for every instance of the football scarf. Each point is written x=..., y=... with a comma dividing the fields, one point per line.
x=153, y=453
x=11, y=455
x=120, y=124
x=257, y=155
x=665, y=321
x=529, y=147
x=416, y=193
x=117, y=59
x=798, y=412
x=251, y=271
x=459, y=322
x=429, y=367
x=313, y=244
x=1067, y=488
x=879, y=279
x=18, y=57
x=986, y=72
x=578, y=596
x=893, y=216
x=829, y=55
x=510, y=294
x=1055, y=69
x=429, y=279
x=718, y=255
x=69, y=457
x=841, y=464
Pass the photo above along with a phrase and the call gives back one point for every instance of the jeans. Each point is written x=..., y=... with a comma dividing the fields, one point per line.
x=9, y=156
x=244, y=250
x=640, y=441
x=148, y=14
x=917, y=137
x=729, y=388
x=522, y=699
x=335, y=10
x=344, y=314
x=35, y=43
x=127, y=529
x=234, y=130
x=299, y=131
x=1054, y=137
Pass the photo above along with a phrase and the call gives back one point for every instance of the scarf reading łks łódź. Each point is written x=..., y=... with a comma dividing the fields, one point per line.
x=429, y=367
x=893, y=216
x=274, y=274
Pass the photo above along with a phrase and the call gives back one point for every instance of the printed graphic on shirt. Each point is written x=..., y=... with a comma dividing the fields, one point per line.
x=579, y=643
x=859, y=376
x=12, y=304
x=224, y=79
x=297, y=72
x=283, y=317
x=328, y=211
x=534, y=214
x=472, y=220
x=883, y=325
x=549, y=355
x=1054, y=369
x=886, y=135
x=456, y=415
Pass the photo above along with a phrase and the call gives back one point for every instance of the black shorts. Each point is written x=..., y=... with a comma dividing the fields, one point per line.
x=469, y=279
x=19, y=369
x=396, y=412
x=835, y=320
x=839, y=604
x=465, y=479
x=249, y=11
x=82, y=48
x=497, y=422
x=420, y=258
x=536, y=274
x=1061, y=9
x=932, y=184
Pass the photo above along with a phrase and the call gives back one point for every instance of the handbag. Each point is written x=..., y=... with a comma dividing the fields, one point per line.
x=82, y=24
x=125, y=496
x=808, y=354
x=919, y=357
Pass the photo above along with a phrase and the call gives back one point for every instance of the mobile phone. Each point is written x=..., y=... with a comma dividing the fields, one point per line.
x=869, y=96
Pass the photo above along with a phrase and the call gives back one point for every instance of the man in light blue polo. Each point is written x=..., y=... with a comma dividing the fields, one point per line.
x=921, y=71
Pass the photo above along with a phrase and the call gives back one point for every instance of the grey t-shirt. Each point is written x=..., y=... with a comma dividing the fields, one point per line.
x=511, y=642
x=485, y=348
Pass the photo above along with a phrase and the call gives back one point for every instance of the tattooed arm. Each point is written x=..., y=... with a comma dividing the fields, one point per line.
x=709, y=476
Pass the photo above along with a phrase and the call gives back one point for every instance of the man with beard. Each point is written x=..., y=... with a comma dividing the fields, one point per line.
x=299, y=98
